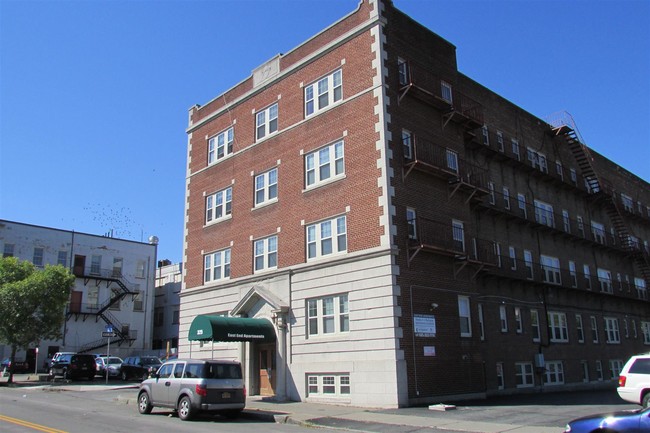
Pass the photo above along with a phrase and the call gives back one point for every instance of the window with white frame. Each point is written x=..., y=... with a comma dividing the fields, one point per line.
x=506, y=198
x=37, y=258
x=587, y=276
x=641, y=290
x=581, y=226
x=96, y=264
x=323, y=93
x=62, y=258
x=580, y=329
x=513, y=258
x=585, y=371
x=481, y=322
x=407, y=144
x=497, y=253
x=628, y=203
x=612, y=330
x=328, y=315
x=645, y=331
x=324, y=164
x=265, y=253
x=515, y=149
x=500, y=379
x=537, y=160
x=605, y=280
x=266, y=187
x=534, y=324
x=465, y=316
x=544, y=213
x=573, y=273
x=598, y=231
x=554, y=374
x=528, y=263
x=411, y=220
x=216, y=266
x=446, y=92
x=599, y=370
x=140, y=268
x=559, y=170
x=452, y=160
x=327, y=237
x=458, y=235
x=218, y=206
x=503, y=318
x=519, y=324
x=566, y=221
x=521, y=203
x=328, y=385
x=220, y=145
x=573, y=175
x=491, y=190
x=266, y=122
x=557, y=327
x=524, y=377
x=594, y=329
x=403, y=71
x=551, y=269
x=615, y=367
x=8, y=250
x=500, y=145
x=486, y=135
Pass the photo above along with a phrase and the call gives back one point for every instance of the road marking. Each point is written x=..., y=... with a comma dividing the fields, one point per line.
x=30, y=425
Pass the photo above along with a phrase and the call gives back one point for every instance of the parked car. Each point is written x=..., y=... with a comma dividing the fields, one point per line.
x=634, y=380
x=56, y=356
x=74, y=366
x=193, y=385
x=631, y=421
x=110, y=364
x=139, y=367
x=19, y=366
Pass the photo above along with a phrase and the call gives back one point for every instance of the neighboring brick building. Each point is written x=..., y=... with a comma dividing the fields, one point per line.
x=406, y=234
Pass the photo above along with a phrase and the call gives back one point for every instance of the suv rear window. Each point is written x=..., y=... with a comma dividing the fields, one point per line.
x=641, y=366
x=222, y=371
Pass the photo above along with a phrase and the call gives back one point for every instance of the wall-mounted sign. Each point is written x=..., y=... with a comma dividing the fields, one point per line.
x=424, y=325
x=429, y=350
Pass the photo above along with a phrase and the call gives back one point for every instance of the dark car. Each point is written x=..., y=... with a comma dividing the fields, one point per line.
x=631, y=421
x=74, y=366
x=19, y=366
x=139, y=367
x=190, y=386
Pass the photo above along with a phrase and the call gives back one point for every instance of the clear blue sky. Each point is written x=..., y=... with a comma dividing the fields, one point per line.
x=94, y=94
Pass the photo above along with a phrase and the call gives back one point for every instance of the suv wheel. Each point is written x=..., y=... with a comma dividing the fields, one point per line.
x=646, y=400
x=185, y=411
x=144, y=404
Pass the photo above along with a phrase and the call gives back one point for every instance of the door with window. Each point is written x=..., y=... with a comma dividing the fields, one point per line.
x=79, y=265
x=267, y=369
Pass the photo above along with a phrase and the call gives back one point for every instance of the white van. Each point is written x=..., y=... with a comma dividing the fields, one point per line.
x=634, y=380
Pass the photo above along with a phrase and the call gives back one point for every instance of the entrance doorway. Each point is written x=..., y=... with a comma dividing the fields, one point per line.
x=267, y=369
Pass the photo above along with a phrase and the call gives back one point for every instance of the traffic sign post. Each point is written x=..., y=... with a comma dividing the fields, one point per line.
x=108, y=333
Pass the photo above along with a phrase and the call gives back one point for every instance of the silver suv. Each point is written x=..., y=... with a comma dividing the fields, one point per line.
x=190, y=386
x=634, y=380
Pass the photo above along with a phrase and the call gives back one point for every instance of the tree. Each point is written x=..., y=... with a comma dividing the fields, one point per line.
x=32, y=303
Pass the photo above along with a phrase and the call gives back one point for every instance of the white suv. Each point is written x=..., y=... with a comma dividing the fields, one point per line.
x=634, y=380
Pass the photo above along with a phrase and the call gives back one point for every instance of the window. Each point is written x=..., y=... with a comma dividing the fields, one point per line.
x=594, y=329
x=137, y=301
x=559, y=170
x=218, y=206
x=452, y=160
x=326, y=237
x=217, y=266
x=515, y=149
x=537, y=160
x=521, y=203
x=626, y=329
x=500, y=382
x=8, y=250
x=554, y=373
x=581, y=226
x=176, y=317
x=458, y=235
x=445, y=91
x=330, y=385
x=486, y=135
x=566, y=221
x=411, y=222
x=513, y=258
x=534, y=324
x=503, y=318
x=158, y=316
x=579, y=329
x=645, y=330
x=497, y=253
x=220, y=145
x=96, y=264
x=328, y=315
x=599, y=370
x=37, y=259
x=612, y=330
x=605, y=280
x=628, y=203
x=587, y=276
x=574, y=176
x=641, y=290
x=403, y=71
x=266, y=253
x=140, y=267
x=62, y=258
x=481, y=322
x=506, y=198
x=551, y=269
x=266, y=122
x=524, y=374
x=519, y=325
x=528, y=263
x=557, y=327
x=544, y=213
x=598, y=231
x=615, y=367
x=573, y=273
x=491, y=189
x=634, y=331
x=266, y=187
x=465, y=316
x=500, y=146
x=324, y=164
x=407, y=144
x=585, y=371
x=323, y=93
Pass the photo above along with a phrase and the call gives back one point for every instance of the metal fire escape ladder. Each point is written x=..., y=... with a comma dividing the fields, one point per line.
x=562, y=124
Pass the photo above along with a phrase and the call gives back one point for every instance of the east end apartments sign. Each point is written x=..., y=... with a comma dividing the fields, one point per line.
x=425, y=325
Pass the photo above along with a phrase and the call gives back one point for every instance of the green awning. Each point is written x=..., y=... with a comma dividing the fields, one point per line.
x=222, y=328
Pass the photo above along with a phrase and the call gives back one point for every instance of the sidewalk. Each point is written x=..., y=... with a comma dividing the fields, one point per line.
x=531, y=413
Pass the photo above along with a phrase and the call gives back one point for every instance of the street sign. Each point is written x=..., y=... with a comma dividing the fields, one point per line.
x=108, y=334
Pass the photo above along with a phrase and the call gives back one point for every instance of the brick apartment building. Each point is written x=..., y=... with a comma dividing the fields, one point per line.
x=367, y=225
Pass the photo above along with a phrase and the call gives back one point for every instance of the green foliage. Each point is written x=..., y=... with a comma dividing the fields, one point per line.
x=32, y=302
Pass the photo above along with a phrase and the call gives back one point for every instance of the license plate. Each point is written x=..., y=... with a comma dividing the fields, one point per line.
x=84, y=368
x=225, y=395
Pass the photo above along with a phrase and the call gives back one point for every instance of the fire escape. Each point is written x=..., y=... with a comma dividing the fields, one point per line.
x=101, y=311
x=563, y=125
